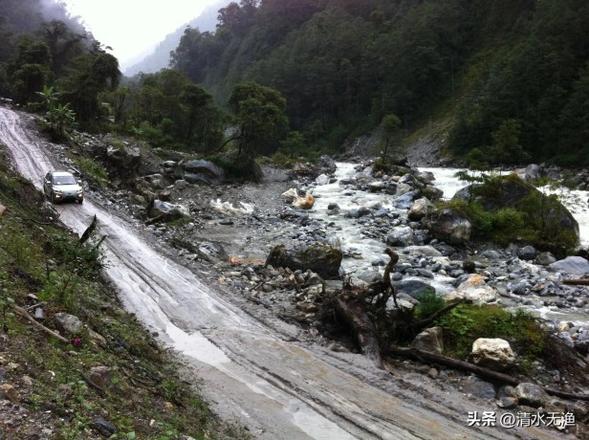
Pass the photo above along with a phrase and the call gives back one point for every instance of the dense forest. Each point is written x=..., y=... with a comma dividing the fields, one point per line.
x=513, y=74
x=50, y=62
x=510, y=77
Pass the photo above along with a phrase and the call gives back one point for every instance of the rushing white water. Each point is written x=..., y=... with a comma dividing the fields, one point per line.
x=347, y=231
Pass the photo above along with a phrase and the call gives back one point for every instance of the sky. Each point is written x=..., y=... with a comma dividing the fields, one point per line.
x=134, y=27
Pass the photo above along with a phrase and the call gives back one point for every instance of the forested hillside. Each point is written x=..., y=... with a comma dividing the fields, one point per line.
x=513, y=75
x=45, y=50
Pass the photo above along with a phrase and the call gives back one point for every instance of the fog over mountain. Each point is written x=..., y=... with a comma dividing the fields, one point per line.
x=159, y=58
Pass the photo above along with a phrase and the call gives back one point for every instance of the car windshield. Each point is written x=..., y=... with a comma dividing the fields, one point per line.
x=64, y=180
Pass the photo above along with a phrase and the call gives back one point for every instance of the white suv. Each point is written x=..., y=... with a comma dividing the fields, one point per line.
x=61, y=186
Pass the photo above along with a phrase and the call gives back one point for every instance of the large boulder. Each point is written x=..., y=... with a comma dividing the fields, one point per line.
x=533, y=172
x=124, y=158
x=327, y=165
x=493, y=353
x=420, y=208
x=475, y=290
x=544, y=216
x=321, y=258
x=202, y=171
x=450, y=226
x=430, y=339
x=571, y=265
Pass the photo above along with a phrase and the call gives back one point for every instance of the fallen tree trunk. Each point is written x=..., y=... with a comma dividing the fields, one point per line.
x=22, y=312
x=353, y=311
x=485, y=373
x=425, y=356
x=580, y=282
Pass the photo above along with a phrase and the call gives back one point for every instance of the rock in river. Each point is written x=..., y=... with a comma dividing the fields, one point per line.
x=401, y=236
x=449, y=226
x=322, y=259
x=476, y=290
x=572, y=265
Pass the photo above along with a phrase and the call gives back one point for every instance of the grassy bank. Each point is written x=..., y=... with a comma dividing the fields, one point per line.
x=110, y=373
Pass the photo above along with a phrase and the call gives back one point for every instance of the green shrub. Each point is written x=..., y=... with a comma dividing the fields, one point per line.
x=85, y=259
x=533, y=219
x=93, y=170
x=467, y=322
x=429, y=303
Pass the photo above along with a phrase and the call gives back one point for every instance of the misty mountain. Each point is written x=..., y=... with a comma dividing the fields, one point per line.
x=160, y=57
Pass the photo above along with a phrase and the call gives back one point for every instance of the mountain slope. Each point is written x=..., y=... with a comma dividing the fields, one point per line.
x=160, y=57
x=510, y=75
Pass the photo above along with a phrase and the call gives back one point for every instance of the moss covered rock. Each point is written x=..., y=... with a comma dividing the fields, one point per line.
x=322, y=259
x=506, y=209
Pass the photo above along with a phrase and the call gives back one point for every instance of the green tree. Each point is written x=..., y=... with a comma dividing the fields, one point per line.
x=506, y=146
x=391, y=124
x=202, y=118
x=90, y=76
x=261, y=116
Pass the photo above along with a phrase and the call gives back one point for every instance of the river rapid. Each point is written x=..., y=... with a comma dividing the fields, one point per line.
x=365, y=252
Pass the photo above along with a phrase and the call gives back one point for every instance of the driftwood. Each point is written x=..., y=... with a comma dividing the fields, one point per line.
x=486, y=373
x=89, y=230
x=579, y=282
x=353, y=310
x=22, y=312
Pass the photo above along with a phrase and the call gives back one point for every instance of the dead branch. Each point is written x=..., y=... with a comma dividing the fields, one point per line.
x=88, y=232
x=486, y=373
x=419, y=325
x=579, y=282
x=22, y=312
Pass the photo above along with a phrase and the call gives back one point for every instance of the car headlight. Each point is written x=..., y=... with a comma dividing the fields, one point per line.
x=59, y=193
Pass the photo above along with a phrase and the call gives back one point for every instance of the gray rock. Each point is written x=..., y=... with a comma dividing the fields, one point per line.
x=202, y=171
x=571, y=265
x=545, y=259
x=533, y=172
x=69, y=324
x=414, y=288
x=420, y=208
x=430, y=340
x=406, y=200
x=477, y=387
x=449, y=226
x=527, y=253
x=321, y=258
x=104, y=427
x=424, y=251
x=400, y=236
x=530, y=394
x=507, y=402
